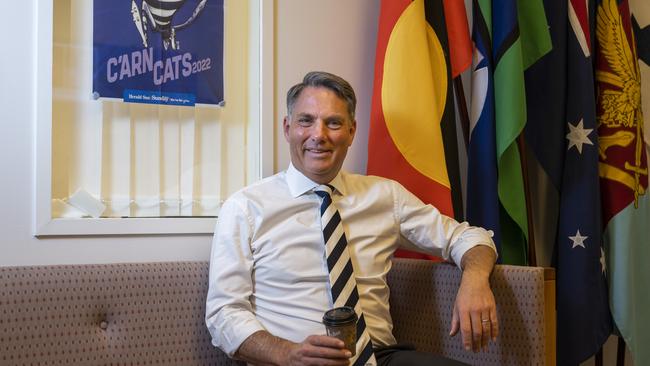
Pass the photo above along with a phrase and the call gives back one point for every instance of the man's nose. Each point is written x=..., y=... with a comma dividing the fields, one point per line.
x=318, y=131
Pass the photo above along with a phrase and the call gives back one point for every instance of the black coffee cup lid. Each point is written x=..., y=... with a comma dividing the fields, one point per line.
x=339, y=316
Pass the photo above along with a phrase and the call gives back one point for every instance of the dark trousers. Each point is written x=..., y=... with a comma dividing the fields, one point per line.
x=406, y=355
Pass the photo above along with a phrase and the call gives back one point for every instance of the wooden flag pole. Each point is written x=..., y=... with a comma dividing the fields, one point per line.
x=620, y=351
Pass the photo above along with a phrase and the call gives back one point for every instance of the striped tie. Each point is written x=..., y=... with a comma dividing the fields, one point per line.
x=342, y=280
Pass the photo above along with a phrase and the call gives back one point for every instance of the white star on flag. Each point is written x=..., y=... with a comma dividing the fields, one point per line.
x=578, y=240
x=602, y=260
x=578, y=135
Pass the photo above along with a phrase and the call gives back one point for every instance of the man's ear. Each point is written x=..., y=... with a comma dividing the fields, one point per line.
x=285, y=127
x=353, y=131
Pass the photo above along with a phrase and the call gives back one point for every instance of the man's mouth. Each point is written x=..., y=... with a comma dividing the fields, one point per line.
x=318, y=151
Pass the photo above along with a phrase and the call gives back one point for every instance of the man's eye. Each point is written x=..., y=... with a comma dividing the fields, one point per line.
x=335, y=125
x=304, y=121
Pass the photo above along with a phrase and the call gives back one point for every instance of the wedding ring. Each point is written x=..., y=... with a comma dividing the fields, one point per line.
x=485, y=320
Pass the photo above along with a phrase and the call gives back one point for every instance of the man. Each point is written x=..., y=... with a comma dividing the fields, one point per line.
x=270, y=270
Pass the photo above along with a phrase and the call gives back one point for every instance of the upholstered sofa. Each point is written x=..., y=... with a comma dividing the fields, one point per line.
x=153, y=314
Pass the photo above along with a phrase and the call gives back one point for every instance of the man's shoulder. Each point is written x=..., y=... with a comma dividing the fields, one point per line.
x=273, y=185
x=273, y=181
x=367, y=180
x=370, y=184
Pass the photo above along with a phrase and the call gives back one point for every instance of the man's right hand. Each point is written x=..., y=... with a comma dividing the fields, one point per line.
x=319, y=350
x=263, y=348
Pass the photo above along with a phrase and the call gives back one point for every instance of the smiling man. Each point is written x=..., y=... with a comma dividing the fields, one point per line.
x=296, y=244
x=319, y=129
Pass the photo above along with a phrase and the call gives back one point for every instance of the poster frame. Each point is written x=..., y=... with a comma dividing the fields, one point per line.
x=44, y=225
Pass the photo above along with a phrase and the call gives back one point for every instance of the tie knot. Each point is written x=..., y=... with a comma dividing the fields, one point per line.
x=324, y=189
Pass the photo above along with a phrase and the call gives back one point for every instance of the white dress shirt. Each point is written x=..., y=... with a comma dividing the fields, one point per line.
x=268, y=269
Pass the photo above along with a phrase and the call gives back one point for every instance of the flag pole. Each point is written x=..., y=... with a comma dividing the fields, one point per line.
x=532, y=257
x=620, y=351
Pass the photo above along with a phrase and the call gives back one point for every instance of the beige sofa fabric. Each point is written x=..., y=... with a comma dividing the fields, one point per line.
x=519, y=293
x=116, y=314
x=152, y=314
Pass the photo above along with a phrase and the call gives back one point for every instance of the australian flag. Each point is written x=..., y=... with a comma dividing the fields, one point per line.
x=562, y=134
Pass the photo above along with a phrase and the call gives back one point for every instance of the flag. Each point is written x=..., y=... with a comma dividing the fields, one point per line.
x=497, y=29
x=412, y=136
x=623, y=170
x=460, y=44
x=510, y=118
x=640, y=10
x=562, y=133
x=482, y=198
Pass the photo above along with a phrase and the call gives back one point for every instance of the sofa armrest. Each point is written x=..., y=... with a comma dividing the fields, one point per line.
x=422, y=299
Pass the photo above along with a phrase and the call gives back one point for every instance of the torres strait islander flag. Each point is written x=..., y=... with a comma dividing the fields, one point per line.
x=412, y=135
x=623, y=170
x=482, y=194
x=509, y=36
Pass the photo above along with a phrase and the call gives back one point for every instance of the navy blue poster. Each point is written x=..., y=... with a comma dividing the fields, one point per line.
x=158, y=51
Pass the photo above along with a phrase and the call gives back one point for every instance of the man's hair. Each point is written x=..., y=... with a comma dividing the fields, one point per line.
x=322, y=79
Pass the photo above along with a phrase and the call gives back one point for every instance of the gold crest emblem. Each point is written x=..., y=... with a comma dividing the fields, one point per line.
x=620, y=105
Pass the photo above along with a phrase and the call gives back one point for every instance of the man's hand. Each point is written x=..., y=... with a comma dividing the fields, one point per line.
x=319, y=350
x=474, y=311
x=263, y=348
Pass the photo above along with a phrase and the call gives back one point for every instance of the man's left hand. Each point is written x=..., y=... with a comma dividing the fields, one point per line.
x=474, y=311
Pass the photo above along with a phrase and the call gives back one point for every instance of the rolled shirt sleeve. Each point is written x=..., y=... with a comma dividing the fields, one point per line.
x=424, y=227
x=229, y=314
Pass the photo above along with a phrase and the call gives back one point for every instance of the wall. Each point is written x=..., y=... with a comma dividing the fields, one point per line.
x=332, y=41
x=340, y=40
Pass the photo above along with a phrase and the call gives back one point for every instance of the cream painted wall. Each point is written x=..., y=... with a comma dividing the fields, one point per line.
x=340, y=39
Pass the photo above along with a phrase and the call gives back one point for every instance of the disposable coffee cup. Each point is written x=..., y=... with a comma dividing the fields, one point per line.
x=341, y=323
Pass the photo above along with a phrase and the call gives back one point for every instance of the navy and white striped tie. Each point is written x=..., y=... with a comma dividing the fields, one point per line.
x=342, y=281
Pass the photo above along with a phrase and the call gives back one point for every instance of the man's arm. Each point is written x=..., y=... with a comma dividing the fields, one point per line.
x=475, y=310
x=264, y=349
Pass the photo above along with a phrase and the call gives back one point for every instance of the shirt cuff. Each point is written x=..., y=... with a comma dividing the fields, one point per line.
x=471, y=238
x=233, y=332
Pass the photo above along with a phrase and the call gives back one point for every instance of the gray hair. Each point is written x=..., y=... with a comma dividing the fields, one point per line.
x=337, y=84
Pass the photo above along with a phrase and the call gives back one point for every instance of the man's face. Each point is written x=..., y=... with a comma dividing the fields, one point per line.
x=319, y=132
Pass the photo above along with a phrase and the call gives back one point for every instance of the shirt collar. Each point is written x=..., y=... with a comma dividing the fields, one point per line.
x=299, y=184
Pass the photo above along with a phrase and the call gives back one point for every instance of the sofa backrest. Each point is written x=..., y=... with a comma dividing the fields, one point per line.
x=153, y=314
x=109, y=314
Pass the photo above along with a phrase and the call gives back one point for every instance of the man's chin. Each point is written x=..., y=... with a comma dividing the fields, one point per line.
x=319, y=172
x=319, y=175
x=318, y=162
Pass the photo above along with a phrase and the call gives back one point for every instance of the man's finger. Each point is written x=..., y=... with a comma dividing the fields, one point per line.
x=486, y=329
x=325, y=347
x=466, y=330
x=325, y=341
x=455, y=323
x=494, y=325
x=477, y=332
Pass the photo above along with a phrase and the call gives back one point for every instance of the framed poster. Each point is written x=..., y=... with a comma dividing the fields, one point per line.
x=148, y=169
x=159, y=52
